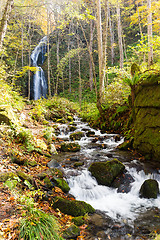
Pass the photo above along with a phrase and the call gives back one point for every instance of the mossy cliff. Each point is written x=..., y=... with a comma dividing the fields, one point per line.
x=147, y=118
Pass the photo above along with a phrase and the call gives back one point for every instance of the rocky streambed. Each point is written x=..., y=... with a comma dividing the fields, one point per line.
x=122, y=210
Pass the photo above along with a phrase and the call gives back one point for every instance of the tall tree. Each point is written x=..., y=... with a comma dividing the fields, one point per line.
x=4, y=21
x=149, y=27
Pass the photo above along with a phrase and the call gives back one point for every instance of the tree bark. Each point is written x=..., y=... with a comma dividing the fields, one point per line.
x=111, y=35
x=4, y=21
x=69, y=61
x=150, y=51
x=48, y=57
x=58, y=42
x=120, y=43
x=90, y=62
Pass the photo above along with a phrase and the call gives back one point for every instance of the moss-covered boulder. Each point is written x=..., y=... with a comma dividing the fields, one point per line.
x=48, y=184
x=128, y=144
x=147, y=120
x=71, y=232
x=74, y=208
x=106, y=172
x=149, y=189
x=7, y=175
x=7, y=115
x=76, y=135
x=23, y=176
x=62, y=184
x=72, y=128
x=70, y=147
x=90, y=134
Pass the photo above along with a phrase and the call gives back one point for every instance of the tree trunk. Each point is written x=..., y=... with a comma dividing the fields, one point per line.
x=69, y=60
x=150, y=51
x=80, y=79
x=4, y=21
x=120, y=35
x=90, y=62
x=58, y=42
x=48, y=55
x=111, y=35
x=100, y=57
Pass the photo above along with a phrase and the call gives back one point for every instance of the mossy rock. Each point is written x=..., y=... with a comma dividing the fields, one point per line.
x=23, y=176
x=48, y=183
x=126, y=145
x=74, y=208
x=90, y=134
x=32, y=163
x=62, y=184
x=71, y=232
x=78, y=164
x=7, y=175
x=149, y=189
x=106, y=172
x=78, y=221
x=76, y=135
x=72, y=128
x=18, y=159
x=70, y=147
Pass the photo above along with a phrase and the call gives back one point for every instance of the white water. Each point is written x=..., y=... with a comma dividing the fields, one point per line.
x=39, y=80
x=119, y=206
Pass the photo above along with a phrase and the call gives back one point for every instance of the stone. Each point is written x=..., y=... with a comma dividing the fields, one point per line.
x=106, y=172
x=23, y=176
x=74, y=208
x=90, y=134
x=76, y=135
x=62, y=184
x=7, y=175
x=70, y=147
x=53, y=149
x=78, y=221
x=126, y=145
x=71, y=232
x=149, y=189
x=147, y=118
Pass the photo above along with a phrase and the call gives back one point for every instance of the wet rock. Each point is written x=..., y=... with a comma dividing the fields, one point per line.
x=117, y=138
x=149, y=189
x=72, y=128
x=90, y=134
x=53, y=149
x=78, y=164
x=126, y=145
x=48, y=184
x=74, y=208
x=71, y=233
x=74, y=159
x=70, y=147
x=62, y=184
x=76, y=135
x=53, y=164
x=123, y=183
x=106, y=172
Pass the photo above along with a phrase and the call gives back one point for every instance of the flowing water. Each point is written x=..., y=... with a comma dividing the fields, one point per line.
x=39, y=88
x=122, y=207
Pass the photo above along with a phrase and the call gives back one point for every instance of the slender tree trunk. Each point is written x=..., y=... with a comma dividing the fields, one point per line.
x=100, y=57
x=80, y=79
x=69, y=61
x=150, y=46
x=22, y=56
x=58, y=42
x=90, y=62
x=120, y=35
x=104, y=39
x=111, y=35
x=4, y=21
x=48, y=57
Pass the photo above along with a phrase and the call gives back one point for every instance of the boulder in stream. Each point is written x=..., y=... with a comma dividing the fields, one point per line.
x=70, y=147
x=74, y=208
x=149, y=189
x=106, y=172
x=76, y=135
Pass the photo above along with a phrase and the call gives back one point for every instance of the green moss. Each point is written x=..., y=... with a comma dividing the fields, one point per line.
x=7, y=175
x=106, y=172
x=48, y=183
x=78, y=221
x=149, y=189
x=126, y=145
x=72, y=128
x=71, y=233
x=25, y=176
x=76, y=135
x=70, y=147
x=72, y=207
x=78, y=164
x=62, y=184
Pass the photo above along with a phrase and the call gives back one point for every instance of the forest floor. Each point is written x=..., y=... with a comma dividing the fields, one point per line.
x=10, y=210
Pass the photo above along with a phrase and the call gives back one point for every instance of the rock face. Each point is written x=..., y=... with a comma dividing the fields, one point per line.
x=106, y=172
x=149, y=189
x=76, y=135
x=70, y=147
x=147, y=119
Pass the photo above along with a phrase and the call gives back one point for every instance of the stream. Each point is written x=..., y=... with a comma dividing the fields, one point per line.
x=124, y=214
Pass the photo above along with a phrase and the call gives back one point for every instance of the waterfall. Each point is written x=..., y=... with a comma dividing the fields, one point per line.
x=39, y=85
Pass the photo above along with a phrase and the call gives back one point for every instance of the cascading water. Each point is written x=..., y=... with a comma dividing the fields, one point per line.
x=39, y=86
x=120, y=206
